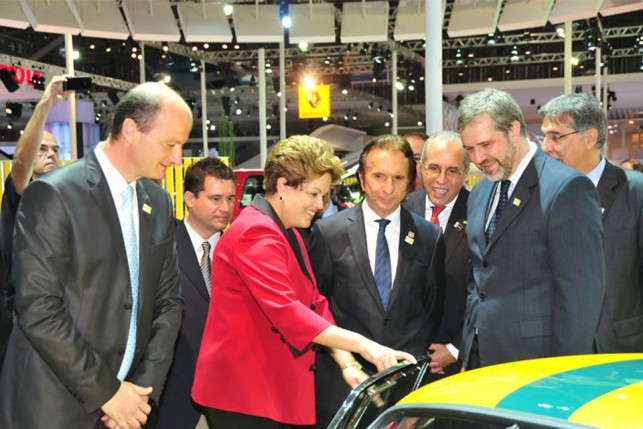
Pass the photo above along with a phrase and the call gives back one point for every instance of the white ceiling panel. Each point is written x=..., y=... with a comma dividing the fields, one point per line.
x=50, y=16
x=572, y=10
x=11, y=15
x=312, y=23
x=522, y=14
x=151, y=20
x=365, y=22
x=257, y=23
x=101, y=18
x=615, y=7
x=473, y=18
x=410, y=21
x=204, y=22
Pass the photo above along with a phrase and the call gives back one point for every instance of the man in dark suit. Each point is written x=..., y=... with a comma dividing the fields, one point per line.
x=97, y=294
x=536, y=242
x=443, y=201
x=575, y=131
x=209, y=195
x=395, y=299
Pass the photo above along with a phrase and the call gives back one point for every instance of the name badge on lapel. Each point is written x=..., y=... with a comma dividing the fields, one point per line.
x=410, y=238
x=147, y=209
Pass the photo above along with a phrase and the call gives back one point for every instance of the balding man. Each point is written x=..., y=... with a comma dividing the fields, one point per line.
x=98, y=300
x=443, y=201
x=37, y=152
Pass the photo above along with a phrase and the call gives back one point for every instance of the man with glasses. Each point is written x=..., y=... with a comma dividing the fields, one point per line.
x=37, y=152
x=575, y=132
x=536, y=241
x=416, y=141
x=443, y=201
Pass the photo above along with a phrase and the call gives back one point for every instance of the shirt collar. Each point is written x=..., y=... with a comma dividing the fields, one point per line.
x=597, y=172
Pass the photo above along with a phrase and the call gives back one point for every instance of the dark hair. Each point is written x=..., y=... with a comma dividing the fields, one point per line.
x=580, y=111
x=141, y=104
x=419, y=135
x=391, y=143
x=299, y=159
x=196, y=173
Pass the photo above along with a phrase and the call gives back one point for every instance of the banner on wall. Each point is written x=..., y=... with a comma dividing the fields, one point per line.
x=315, y=102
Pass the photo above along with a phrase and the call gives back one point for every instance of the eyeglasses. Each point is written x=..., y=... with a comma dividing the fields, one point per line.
x=435, y=170
x=554, y=138
x=45, y=149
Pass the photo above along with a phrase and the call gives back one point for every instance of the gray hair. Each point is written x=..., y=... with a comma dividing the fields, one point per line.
x=450, y=138
x=499, y=105
x=581, y=112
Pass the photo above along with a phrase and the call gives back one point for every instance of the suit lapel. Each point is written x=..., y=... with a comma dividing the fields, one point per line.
x=455, y=230
x=476, y=214
x=357, y=236
x=607, y=185
x=144, y=208
x=520, y=197
x=188, y=263
x=405, y=253
x=102, y=196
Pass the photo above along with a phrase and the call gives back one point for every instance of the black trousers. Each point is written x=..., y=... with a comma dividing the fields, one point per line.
x=219, y=419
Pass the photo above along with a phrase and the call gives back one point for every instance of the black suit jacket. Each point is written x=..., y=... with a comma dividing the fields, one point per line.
x=457, y=265
x=620, y=328
x=177, y=410
x=74, y=299
x=339, y=259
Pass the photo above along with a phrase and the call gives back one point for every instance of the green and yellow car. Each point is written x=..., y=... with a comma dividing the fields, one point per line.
x=598, y=391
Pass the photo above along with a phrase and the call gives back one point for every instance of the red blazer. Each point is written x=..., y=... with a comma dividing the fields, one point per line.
x=256, y=356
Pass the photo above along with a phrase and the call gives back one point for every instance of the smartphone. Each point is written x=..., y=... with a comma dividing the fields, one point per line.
x=78, y=84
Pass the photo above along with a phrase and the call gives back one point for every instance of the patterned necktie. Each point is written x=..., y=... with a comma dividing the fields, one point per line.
x=206, y=264
x=435, y=212
x=383, y=264
x=126, y=218
x=502, y=201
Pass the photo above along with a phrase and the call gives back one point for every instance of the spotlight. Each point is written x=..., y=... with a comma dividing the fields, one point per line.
x=9, y=80
x=13, y=110
x=228, y=9
x=165, y=47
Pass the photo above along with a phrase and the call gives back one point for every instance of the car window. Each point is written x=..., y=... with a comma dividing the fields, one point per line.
x=251, y=187
x=375, y=395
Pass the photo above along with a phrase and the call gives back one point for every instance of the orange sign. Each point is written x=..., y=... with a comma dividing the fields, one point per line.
x=314, y=103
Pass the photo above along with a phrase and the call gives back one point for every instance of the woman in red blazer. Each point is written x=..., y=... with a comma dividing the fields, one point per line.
x=256, y=360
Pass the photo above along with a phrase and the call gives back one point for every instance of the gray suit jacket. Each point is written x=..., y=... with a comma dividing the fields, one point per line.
x=539, y=283
x=74, y=299
x=621, y=326
x=457, y=264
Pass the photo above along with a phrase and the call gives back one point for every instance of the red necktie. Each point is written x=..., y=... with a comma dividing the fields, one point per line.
x=435, y=213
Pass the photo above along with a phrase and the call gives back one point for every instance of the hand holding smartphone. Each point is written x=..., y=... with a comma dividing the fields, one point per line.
x=77, y=84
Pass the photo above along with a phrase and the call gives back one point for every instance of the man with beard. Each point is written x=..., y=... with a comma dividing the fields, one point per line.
x=536, y=241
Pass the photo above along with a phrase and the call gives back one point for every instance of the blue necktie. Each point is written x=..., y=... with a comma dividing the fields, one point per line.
x=383, y=264
x=502, y=201
x=126, y=218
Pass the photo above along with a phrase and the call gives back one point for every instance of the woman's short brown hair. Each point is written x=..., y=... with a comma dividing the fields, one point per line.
x=299, y=159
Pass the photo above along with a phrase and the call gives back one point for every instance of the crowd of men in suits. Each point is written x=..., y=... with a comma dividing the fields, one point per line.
x=543, y=257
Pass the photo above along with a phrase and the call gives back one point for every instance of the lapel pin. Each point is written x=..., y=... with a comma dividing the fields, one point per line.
x=602, y=210
x=410, y=238
x=411, y=234
x=147, y=209
x=458, y=226
x=517, y=202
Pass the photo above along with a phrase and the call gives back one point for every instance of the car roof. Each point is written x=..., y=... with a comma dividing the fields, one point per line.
x=604, y=390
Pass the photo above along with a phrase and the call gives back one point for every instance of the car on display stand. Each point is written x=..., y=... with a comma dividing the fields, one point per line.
x=588, y=391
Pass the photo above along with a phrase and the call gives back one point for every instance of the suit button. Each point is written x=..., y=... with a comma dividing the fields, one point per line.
x=283, y=339
x=275, y=330
x=385, y=322
x=313, y=306
x=482, y=297
x=127, y=306
x=120, y=352
x=485, y=264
